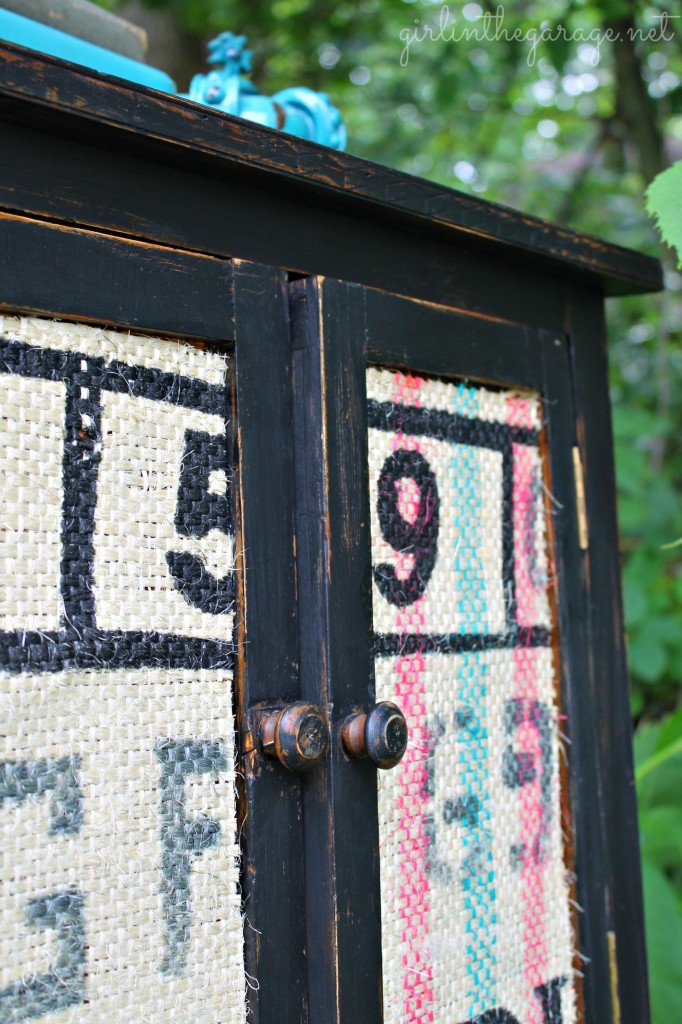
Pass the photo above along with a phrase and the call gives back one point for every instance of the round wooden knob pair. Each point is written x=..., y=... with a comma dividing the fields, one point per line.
x=297, y=735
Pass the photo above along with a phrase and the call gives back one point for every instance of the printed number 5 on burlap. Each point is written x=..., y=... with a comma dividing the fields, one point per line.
x=475, y=893
x=119, y=881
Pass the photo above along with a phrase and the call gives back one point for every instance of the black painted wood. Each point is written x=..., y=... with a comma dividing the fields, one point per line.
x=267, y=662
x=46, y=84
x=342, y=840
x=225, y=211
x=438, y=340
x=56, y=271
x=579, y=693
x=600, y=815
x=607, y=656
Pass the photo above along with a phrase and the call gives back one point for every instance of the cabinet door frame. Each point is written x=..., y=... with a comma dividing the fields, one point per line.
x=241, y=309
x=267, y=661
x=338, y=330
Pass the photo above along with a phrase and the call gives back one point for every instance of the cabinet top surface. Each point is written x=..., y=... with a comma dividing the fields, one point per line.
x=47, y=93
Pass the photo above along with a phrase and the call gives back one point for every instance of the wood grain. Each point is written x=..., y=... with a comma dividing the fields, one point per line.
x=52, y=270
x=267, y=663
x=33, y=85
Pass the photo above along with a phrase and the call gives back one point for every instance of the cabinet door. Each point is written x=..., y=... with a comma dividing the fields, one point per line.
x=443, y=567
x=138, y=522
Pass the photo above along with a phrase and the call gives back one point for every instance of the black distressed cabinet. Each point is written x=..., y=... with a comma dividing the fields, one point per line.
x=283, y=427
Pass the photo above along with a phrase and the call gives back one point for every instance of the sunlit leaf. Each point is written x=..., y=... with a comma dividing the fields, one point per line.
x=664, y=943
x=664, y=203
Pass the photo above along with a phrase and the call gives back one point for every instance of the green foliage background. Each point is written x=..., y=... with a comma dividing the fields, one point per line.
x=574, y=135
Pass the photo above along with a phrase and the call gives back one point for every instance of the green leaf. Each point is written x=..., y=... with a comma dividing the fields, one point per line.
x=663, y=204
x=645, y=741
x=671, y=731
x=658, y=763
x=636, y=703
x=664, y=942
x=647, y=652
x=635, y=598
x=655, y=744
x=661, y=836
x=634, y=424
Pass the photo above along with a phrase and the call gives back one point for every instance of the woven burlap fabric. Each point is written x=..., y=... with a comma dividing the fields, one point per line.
x=476, y=922
x=120, y=876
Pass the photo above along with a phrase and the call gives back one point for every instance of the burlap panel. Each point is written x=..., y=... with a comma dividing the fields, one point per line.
x=120, y=896
x=474, y=885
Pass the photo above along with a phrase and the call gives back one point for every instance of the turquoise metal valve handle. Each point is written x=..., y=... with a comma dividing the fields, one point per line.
x=297, y=110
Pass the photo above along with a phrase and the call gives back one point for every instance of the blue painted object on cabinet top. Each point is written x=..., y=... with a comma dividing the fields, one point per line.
x=297, y=110
x=14, y=28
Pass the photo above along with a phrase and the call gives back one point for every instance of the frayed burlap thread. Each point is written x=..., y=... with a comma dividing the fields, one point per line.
x=119, y=895
x=476, y=922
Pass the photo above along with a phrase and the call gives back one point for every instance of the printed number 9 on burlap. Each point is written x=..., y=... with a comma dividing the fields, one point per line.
x=476, y=923
x=408, y=516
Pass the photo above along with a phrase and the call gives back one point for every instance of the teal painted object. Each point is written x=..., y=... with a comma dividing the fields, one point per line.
x=14, y=28
x=298, y=111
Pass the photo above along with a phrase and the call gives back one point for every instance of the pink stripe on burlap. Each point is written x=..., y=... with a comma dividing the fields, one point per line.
x=414, y=884
x=406, y=388
x=413, y=779
x=524, y=535
x=527, y=737
x=520, y=415
x=519, y=412
x=535, y=954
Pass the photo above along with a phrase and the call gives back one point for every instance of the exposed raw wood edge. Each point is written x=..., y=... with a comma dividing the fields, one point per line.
x=141, y=244
x=613, y=976
x=580, y=498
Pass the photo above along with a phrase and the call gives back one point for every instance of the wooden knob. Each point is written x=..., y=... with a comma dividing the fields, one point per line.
x=296, y=734
x=381, y=735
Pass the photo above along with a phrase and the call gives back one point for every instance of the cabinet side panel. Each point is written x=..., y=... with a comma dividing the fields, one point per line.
x=622, y=939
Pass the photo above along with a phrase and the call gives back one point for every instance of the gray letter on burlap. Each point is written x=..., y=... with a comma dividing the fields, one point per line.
x=182, y=839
